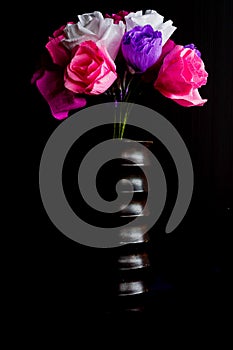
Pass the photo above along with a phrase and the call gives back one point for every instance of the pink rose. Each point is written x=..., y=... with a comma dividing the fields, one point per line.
x=117, y=17
x=91, y=70
x=180, y=76
x=59, y=53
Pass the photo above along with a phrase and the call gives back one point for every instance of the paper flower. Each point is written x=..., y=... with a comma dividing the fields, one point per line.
x=142, y=47
x=106, y=54
x=181, y=75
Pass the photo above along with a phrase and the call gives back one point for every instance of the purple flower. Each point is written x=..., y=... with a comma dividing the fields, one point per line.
x=142, y=47
x=193, y=47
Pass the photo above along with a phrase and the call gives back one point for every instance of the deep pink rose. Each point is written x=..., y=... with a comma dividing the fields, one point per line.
x=180, y=76
x=91, y=70
x=117, y=17
x=59, y=53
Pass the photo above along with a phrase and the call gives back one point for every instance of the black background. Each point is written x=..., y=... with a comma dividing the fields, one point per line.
x=193, y=261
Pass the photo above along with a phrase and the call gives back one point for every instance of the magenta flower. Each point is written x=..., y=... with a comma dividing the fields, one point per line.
x=142, y=47
x=60, y=100
x=59, y=53
x=117, y=17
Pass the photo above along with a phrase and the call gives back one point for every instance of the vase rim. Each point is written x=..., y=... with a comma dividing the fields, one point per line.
x=145, y=141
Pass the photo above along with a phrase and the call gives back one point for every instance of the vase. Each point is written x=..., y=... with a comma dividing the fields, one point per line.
x=130, y=265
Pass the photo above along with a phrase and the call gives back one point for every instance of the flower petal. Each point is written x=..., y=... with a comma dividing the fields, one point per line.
x=61, y=101
x=59, y=54
x=167, y=30
x=189, y=100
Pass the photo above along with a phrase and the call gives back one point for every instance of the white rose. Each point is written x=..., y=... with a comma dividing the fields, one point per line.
x=93, y=26
x=153, y=18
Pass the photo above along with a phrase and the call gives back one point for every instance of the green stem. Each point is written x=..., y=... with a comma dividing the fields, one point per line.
x=119, y=124
x=115, y=117
x=126, y=99
x=123, y=126
x=126, y=92
x=127, y=114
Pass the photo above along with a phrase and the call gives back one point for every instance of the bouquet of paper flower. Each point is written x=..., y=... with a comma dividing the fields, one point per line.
x=112, y=54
